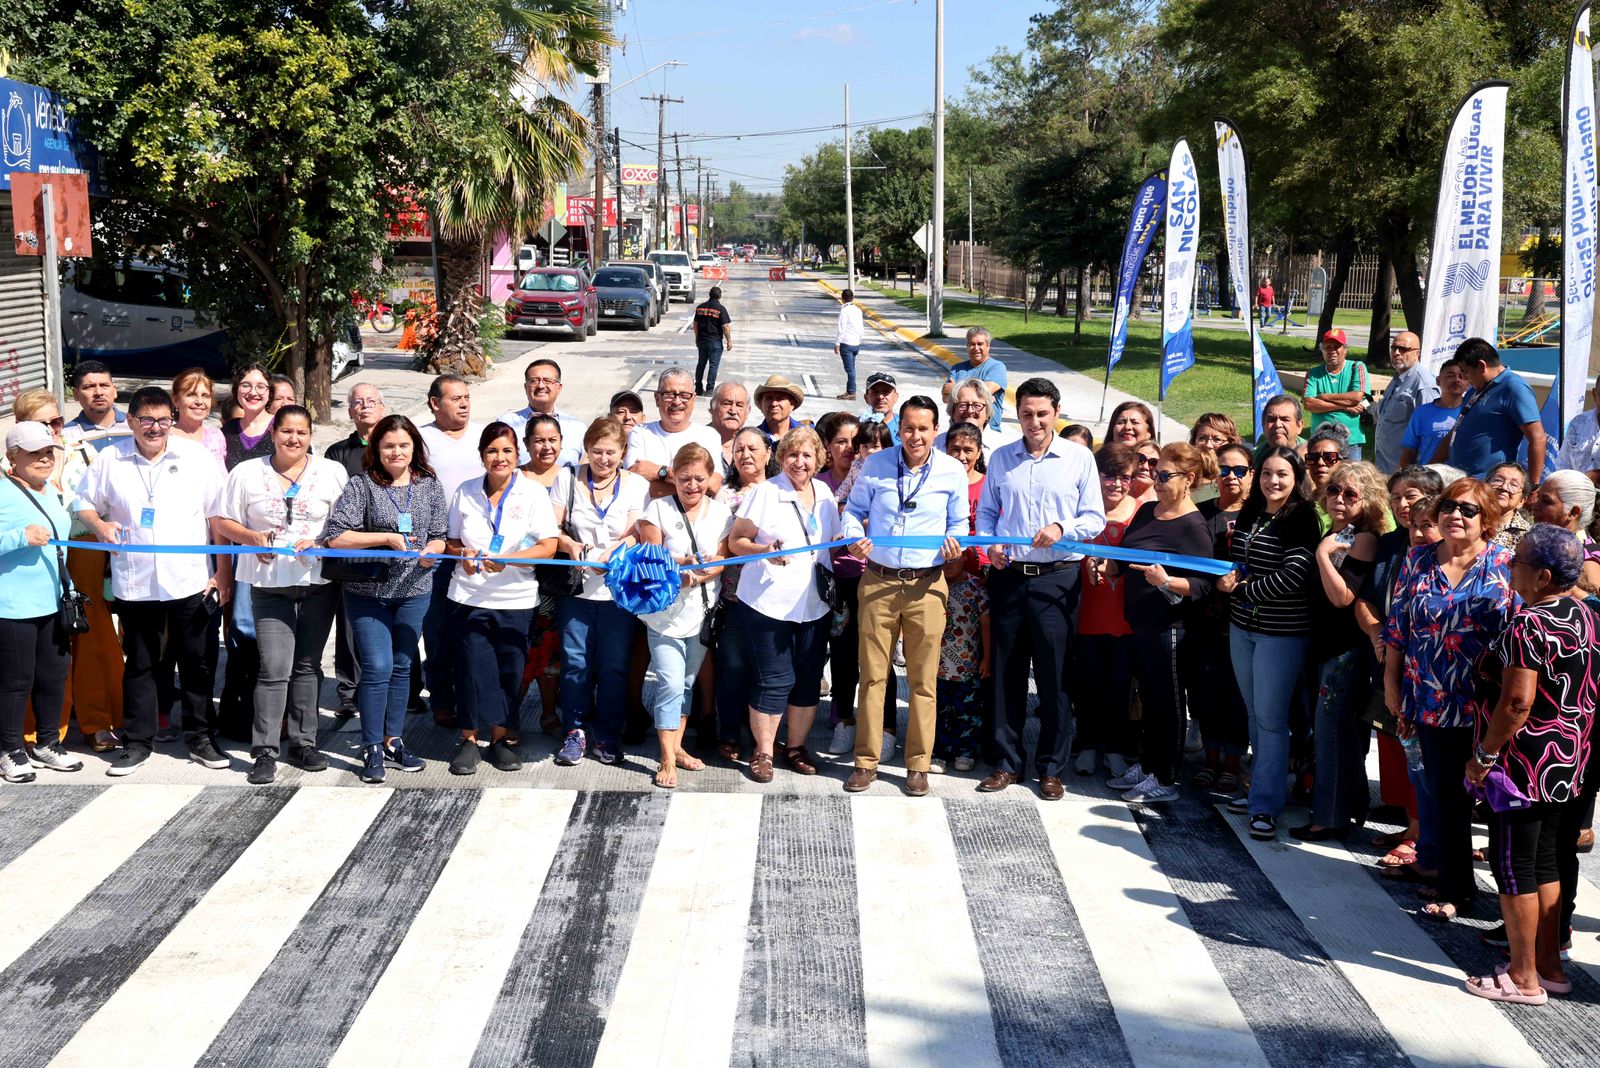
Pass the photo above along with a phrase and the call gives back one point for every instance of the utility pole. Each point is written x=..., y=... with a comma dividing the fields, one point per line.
x=966, y=274
x=936, y=253
x=849, y=203
x=700, y=205
x=597, y=251
x=659, y=225
x=616, y=161
x=683, y=205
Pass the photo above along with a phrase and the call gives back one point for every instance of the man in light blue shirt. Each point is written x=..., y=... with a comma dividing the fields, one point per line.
x=541, y=381
x=1046, y=489
x=983, y=367
x=911, y=490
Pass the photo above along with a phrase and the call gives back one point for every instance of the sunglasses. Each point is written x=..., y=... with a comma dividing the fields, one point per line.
x=1348, y=493
x=1322, y=457
x=1164, y=477
x=1467, y=509
x=1149, y=461
x=1233, y=470
x=55, y=424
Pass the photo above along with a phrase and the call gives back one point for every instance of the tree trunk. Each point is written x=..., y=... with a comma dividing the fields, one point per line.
x=1536, y=292
x=458, y=348
x=1382, y=307
x=1346, y=252
x=1224, y=283
x=1082, y=311
x=1037, y=303
x=1061, y=293
x=1413, y=299
x=318, y=394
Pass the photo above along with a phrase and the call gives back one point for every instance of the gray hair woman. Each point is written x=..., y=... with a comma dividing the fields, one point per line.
x=1566, y=499
x=970, y=402
x=1327, y=448
x=1509, y=481
x=1536, y=744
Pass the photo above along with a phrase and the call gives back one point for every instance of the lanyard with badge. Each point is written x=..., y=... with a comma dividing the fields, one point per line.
x=402, y=520
x=616, y=491
x=147, y=515
x=908, y=501
x=497, y=541
x=291, y=493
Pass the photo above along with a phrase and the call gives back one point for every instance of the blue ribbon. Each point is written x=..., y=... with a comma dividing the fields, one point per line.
x=1204, y=565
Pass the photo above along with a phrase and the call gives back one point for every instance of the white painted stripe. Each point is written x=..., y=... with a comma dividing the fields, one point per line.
x=677, y=999
x=1586, y=950
x=684, y=325
x=1173, y=1006
x=215, y=954
x=925, y=996
x=434, y=998
x=782, y=316
x=1389, y=960
x=644, y=381
x=811, y=384
x=63, y=867
x=792, y=339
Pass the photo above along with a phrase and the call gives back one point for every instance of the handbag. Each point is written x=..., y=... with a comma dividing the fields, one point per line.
x=711, y=623
x=556, y=580
x=827, y=585
x=353, y=569
x=72, y=610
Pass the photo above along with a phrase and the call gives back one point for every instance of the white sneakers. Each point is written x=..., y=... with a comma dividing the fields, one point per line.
x=843, y=740
x=1150, y=790
x=1088, y=761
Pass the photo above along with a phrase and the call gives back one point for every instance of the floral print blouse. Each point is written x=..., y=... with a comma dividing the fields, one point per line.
x=1441, y=630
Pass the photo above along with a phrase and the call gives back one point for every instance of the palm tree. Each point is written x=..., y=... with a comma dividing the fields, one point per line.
x=545, y=45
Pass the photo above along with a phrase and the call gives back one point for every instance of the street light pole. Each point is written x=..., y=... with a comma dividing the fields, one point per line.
x=936, y=252
x=849, y=202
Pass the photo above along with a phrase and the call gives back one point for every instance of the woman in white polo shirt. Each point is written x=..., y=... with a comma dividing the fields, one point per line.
x=779, y=604
x=282, y=500
x=693, y=527
x=507, y=515
x=597, y=505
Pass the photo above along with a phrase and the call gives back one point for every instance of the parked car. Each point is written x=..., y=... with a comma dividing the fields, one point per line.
x=658, y=283
x=679, y=271
x=554, y=298
x=625, y=294
x=706, y=259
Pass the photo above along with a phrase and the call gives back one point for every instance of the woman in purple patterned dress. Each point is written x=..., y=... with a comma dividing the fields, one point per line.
x=1532, y=751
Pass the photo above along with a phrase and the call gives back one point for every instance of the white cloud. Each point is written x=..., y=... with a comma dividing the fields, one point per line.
x=841, y=34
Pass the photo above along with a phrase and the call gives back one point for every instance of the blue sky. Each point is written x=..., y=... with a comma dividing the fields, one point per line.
x=757, y=65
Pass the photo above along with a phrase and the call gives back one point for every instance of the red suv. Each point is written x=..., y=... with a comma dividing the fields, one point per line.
x=553, y=298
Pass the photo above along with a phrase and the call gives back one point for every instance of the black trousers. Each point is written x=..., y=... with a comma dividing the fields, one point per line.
x=185, y=624
x=345, y=668
x=1155, y=664
x=1030, y=623
x=1445, y=751
x=844, y=657
x=34, y=656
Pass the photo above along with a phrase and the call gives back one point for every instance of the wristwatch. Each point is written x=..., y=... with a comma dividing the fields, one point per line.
x=661, y=475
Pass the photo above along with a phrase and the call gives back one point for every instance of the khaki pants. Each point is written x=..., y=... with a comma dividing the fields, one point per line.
x=915, y=608
x=94, y=684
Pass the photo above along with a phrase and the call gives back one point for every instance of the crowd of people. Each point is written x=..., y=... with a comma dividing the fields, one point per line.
x=1443, y=608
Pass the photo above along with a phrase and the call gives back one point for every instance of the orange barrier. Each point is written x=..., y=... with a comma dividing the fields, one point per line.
x=714, y=273
x=777, y=274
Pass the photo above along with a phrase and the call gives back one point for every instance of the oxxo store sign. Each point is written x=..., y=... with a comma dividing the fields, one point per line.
x=37, y=137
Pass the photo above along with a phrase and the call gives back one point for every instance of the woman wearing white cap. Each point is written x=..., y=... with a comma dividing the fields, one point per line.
x=34, y=644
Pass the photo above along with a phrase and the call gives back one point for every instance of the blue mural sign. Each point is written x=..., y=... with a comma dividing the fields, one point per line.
x=38, y=136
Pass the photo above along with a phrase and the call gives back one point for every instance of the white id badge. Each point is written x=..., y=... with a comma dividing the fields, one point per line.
x=898, y=528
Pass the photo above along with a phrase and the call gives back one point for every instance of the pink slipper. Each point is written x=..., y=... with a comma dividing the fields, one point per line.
x=1501, y=988
x=1551, y=986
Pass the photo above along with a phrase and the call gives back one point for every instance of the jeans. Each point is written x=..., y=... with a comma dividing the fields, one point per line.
x=596, y=642
x=847, y=356
x=33, y=663
x=491, y=652
x=346, y=669
x=788, y=658
x=144, y=624
x=385, y=634
x=705, y=368
x=438, y=668
x=1427, y=817
x=292, y=624
x=676, y=662
x=1268, y=667
x=1342, y=794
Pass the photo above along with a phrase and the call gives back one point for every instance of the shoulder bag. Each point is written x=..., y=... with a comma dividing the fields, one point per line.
x=72, y=610
x=827, y=585
x=711, y=625
x=558, y=580
x=354, y=569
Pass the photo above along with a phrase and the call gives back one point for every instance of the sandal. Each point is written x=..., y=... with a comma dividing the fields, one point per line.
x=1390, y=839
x=1228, y=782
x=761, y=767
x=729, y=751
x=1439, y=911
x=1204, y=779
x=1263, y=827
x=799, y=760
x=1501, y=988
x=1403, y=853
x=689, y=763
x=663, y=769
x=1549, y=986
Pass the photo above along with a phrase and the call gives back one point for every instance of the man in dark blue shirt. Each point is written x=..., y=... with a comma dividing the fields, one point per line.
x=1497, y=415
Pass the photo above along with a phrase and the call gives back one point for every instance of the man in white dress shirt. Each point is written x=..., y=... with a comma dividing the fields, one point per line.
x=152, y=489
x=847, y=341
x=652, y=447
x=541, y=380
x=1044, y=488
x=1580, y=445
x=911, y=490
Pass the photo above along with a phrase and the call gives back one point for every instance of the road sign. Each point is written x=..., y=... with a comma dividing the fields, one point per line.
x=71, y=210
x=1317, y=293
x=640, y=174
x=552, y=231
x=924, y=237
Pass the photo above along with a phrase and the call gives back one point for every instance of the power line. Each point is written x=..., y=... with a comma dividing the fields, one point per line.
x=791, y=133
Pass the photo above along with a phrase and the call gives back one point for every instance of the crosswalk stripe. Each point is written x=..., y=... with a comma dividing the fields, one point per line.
x=67, y=976
x=554, y=1002
x=213, y=956
x=340, y=947
x=77, y=856
x=1174, y=1008
x=908, y=888
x=676, y=998
x=801, y=988
x=1586, y=950
x=1381, y=951
x=29, y=815
x=1046, y=997
x=436, y=993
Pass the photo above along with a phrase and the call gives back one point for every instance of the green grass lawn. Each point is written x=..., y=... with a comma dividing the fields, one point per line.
x=1219, y=381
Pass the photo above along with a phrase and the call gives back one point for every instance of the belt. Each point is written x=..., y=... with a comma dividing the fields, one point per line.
x=904, y=574
x=1030, y=570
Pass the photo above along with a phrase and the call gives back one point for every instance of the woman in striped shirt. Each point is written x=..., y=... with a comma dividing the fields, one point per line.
x=1270, y=613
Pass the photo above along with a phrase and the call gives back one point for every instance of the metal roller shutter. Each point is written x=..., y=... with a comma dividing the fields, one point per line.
x=22, y=362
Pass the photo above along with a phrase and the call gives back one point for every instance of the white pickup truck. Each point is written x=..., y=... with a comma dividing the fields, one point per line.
x=679, y=272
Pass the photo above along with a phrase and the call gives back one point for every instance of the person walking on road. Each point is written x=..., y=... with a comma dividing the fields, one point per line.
x=713, y=335
x=847, y=341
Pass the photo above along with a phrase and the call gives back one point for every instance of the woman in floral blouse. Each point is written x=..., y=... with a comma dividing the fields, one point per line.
x=1451, y=601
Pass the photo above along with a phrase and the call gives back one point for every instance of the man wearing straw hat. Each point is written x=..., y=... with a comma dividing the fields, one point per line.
x=776, y=399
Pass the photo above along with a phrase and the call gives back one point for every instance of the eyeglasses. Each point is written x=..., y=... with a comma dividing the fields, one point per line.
x=1164, y=477
x=1233, y=470
x=675, y=395
x=1467, y=509
x=1349, y=493
x=1397, y=347
x=542, y=381
x=1149, y=461
x=965, y=406
x=1501, y=482
x=364, y=402
x=1123, y=479
x=147, y=423
x=1322, y=457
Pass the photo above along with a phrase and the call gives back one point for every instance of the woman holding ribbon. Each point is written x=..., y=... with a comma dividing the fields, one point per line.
x=543, y=441
x=1102, y=648
x=733, y=663
x=602, y=503
x=780, y=602
x=693, y=526
x=396, y=504
x=247, y=436
x=498, y=525
x=282, y=501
